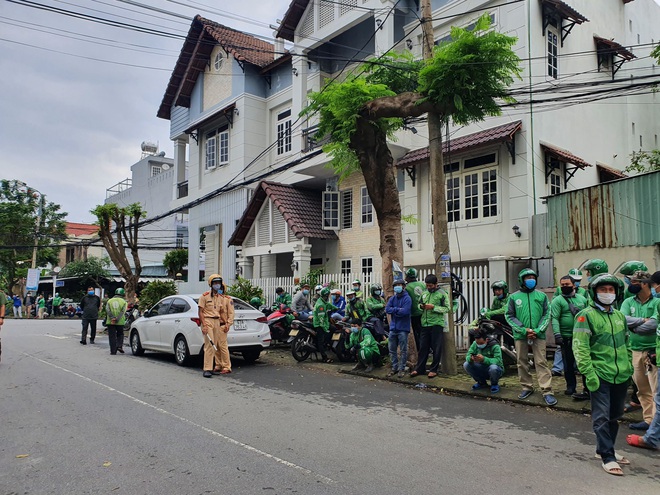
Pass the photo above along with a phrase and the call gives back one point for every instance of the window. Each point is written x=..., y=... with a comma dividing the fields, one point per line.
x=401, y=180
x=471, y=196
x=367, y=216
x=347, y=209
x=330, y=210
x=217, y=148
x=178, y=306
x=346, y=267
x=179, y=240
x=161, y=308
x=489, y=193
x=553, y=47
x=555, y=181
x=284, y=132
x=219, y=60
x=453, y=199
x=155, y=170
x=367, y=265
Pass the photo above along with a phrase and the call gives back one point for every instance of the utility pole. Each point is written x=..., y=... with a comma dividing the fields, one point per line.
x=438, y=200
x=36, y=233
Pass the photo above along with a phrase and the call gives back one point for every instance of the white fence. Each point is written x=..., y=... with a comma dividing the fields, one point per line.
x=474, y=276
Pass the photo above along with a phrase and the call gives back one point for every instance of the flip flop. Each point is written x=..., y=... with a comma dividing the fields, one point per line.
x=413, y=374
x=432, y=374
x=624, y=461
x=638, y=441
x=613, y=468
x=225, y=372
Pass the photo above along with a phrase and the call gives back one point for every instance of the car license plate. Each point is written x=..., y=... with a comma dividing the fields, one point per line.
x=293, y=333
x=240, y=325
x=336, y=336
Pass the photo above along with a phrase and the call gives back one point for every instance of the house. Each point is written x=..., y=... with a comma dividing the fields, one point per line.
x=232, y=101
x=78, y=244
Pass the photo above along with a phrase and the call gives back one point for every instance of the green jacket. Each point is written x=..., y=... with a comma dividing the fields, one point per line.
x=492, y=353
x=498, y=307
x=356, y=309
x=321, y=318
x=528, y=309
x=363, y=339
x=57, y=301
x=436, y=316
x=285, y=299
x=415, y=291
x=600, y=345
x=116, y=308
x=376, y=306
x=642, y=334
x=563, y=319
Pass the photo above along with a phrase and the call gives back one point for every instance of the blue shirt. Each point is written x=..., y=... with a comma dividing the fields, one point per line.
x=340, y=304
x=399, y=307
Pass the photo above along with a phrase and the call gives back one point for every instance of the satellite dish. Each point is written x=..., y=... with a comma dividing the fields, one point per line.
x=161, y=154
x=166, y=166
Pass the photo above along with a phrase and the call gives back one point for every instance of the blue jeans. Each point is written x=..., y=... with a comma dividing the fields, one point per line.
x=607, y=405
x=304, y=315
x=398, y=340
x=482, y=372
x=558, y=363
x=652, y=436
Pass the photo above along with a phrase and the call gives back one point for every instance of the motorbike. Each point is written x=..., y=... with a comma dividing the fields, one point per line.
x=132, y=314
x=279, y=323
x=303, y=341
x=503, y=333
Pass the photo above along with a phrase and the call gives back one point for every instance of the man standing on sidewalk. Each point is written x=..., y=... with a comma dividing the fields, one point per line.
x=18, y=306
x=116, y=319
x=600, y=345
x=398, y=307
x=216, y=313
x=528, y=314
x=89, y=305
x=28, y=303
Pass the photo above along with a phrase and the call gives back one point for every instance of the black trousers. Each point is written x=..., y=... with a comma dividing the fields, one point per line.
x=91, y=323
x=430, y=339
x=320, y=341
x=569, y=365
x=116, y=337
x=416, y=324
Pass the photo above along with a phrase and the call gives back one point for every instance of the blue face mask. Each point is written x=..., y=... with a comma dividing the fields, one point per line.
x=217, y=288
x=589, y=279
x=654, y=293
x=626, y=280
x=398, y=289
x=91, y=292
x=355, y=329
x=530, y=283
x=378, y=292
x=501, y=296
x=305, y=291
x=481, y=346
x=577, y=284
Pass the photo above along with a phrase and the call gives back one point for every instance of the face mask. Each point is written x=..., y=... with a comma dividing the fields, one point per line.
x=530, y=283
x=355, y=329
x=606, y=299
x=398, y=289
x=432, y=289
x=567, y=291
x=634, y=289
x=481, y=346
x=589, y=279
x=577, y=284
x=378, y=292
x=351, y=299
x=334, y=297
x=217, y=287
x=356, y=287
x=654, y=293
x=305, y=291
x=626, y=280
x=501, y=296
x=90, y=292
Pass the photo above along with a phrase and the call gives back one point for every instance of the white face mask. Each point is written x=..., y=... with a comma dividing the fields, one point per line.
x=606, y=299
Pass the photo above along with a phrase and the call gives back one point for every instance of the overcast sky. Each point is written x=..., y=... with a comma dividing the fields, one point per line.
x=77, y=98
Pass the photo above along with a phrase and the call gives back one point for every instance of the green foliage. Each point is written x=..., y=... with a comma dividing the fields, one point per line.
x=93, y=268
x=154, y=292
x=175, y=260
x=644, y=161
x=312, y=278
x=398, y=71
x=20, y=208
x=244, y=290
x=656, y=53
x=470, y=73
x=412, y=219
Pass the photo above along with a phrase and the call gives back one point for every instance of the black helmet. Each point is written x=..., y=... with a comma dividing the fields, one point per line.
x=376, y=287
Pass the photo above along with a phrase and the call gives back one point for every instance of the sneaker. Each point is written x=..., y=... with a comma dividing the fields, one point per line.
x=569, y=391
x=550, y=400
x=642, y=425
x=207, y=374
x=91, y=341
x=525, y=394
x=391, y=373
x=121, y=351
x=557, y=373
x=494, y=389
x=479, y=385
x=369, y=368
x=402, y=373
x=83, y=342
x=581, y=396
x=358, y=366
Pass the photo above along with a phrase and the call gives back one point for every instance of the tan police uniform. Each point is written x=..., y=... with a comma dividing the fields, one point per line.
x=218, y=313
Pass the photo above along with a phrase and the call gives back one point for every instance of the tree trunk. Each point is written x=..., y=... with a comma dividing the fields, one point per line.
x=377, y=164
x=130, y=286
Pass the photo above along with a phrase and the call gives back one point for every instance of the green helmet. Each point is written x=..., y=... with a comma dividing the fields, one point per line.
x=255, y=301
x=524, y=273
x=120, y=292
x=500, y=284
x=575, y=274
x=356, y=282
x=630, y=267
x=325, y=292
x=595, y=266
x=604, y=279
x=411, y=273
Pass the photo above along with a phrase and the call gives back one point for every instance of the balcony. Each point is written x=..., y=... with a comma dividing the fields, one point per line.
x=182, y=189
x=311, y=139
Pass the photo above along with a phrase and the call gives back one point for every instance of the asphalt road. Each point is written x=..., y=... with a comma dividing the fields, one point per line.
x=76, y=420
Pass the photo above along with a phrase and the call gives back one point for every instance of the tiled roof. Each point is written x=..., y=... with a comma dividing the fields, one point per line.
x=202, y=37
x=462, y=144
x=301, y=209
x=565, y=156
x=81, y=229
x=607, y=174
x=291, y=19
x=564, y=10
x=606, y=46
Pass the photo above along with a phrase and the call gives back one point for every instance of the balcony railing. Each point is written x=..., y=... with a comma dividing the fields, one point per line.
x=312, y=140
x=182, y=189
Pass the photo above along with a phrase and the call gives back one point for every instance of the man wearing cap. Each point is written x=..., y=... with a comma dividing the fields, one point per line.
x=216, y=313
x=399, y=307
x=639, y=311
x=302, y=308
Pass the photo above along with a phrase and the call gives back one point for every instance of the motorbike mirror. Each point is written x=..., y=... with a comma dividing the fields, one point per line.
x=483, y=311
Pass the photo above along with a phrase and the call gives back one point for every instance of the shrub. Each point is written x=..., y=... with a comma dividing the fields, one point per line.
x=154, y=292
x=244, y=290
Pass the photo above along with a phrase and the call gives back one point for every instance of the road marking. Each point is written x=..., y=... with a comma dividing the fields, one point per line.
x=245, y=446
x=60, y=337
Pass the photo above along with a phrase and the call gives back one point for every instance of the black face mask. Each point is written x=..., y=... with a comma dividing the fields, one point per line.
x=634, y=288
x=567, y=291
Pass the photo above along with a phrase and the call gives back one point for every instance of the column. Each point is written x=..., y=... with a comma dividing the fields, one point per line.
x=245, y=265
x=179, y=164
x=302, y=259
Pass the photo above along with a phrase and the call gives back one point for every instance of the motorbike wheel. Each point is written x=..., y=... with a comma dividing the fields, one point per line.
x=343, y=354
x=300, y=348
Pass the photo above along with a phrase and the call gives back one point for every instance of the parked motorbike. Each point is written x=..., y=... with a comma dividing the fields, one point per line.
x=303, y=341
x=503, y=333
x=132, y=314
x=279, y=322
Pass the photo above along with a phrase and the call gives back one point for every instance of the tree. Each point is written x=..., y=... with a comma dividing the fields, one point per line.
x=462, y=81
x=644, y=161
x=118, y=230
x=154, y=292
x=244, y=290
x=93, y=268
x=19, y=210
x=175, y=260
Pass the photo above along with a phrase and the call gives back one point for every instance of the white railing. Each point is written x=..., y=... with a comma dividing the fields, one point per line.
x=476, y=289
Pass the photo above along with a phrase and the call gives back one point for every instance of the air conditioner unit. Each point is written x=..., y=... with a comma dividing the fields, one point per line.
x=331, y=184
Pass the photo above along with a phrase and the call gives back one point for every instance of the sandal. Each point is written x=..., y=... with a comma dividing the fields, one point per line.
x=432, y=374
x=329, y=360
x=638, y=441
x=225, y=372
x=613, y=468
x=413, y=374
x=624, y=461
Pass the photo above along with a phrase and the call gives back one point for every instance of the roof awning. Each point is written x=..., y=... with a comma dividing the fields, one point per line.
x=224, y=115
x=562, y=15
x=608, y=174
x=291, y=19
x=611, y=53
x=554, y=157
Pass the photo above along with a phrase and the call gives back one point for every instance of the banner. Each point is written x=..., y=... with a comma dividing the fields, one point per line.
x=33, y=279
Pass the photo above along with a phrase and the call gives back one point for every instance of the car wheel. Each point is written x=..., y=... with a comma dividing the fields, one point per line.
x=136, y=346
x=299, y=348
x=181, y=352
x=251, y=356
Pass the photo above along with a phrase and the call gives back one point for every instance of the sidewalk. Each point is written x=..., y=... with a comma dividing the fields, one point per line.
x=460, y=384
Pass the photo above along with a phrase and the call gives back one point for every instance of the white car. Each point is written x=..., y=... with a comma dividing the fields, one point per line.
x=173, y=326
